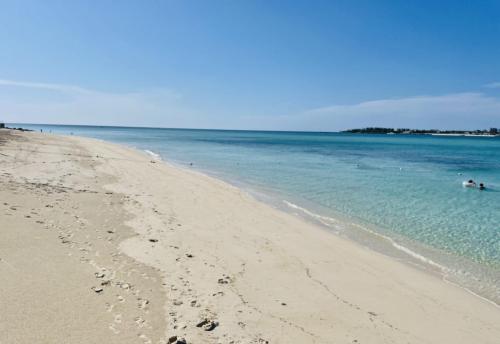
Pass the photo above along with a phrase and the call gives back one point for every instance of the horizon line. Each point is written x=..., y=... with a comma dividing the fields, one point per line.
x=220, y=129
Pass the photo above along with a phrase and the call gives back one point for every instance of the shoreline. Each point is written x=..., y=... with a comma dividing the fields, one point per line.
x=399, y=248
x=236, y=243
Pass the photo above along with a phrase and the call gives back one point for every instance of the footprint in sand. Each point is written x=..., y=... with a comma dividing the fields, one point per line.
x=145, y=339
x=143, y=304
x=112, y=328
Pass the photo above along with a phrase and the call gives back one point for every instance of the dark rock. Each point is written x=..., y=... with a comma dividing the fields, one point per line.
x=208, y=325
x=211, y=326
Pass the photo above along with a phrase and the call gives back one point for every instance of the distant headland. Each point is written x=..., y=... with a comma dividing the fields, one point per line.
x=3, y=126
x=405, y=131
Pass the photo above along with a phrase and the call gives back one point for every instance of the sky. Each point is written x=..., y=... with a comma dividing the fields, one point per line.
x=270, y=65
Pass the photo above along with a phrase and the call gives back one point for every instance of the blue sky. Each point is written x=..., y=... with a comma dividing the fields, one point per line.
x=296, y=65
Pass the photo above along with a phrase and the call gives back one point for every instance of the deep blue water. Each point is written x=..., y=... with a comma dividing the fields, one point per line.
x=407, y=188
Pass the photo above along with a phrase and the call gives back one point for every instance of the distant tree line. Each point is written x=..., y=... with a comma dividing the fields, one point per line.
x=381, y=130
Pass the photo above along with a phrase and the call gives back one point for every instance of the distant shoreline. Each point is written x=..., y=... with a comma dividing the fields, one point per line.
x=492, y=132
x=466, y=135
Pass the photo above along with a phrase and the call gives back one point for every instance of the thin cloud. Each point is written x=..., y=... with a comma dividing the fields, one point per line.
x=39, y=85
x=468, y=110
x=493, y=85
x=71, y=104
x=458, y=110
x=29, y=102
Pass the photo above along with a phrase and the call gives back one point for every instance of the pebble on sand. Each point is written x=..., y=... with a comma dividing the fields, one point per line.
x=208, y=325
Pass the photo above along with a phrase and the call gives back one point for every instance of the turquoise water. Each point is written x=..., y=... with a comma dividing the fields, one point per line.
x=406, y=188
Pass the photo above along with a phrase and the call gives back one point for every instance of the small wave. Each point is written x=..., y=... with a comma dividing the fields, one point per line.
x=445, y=271
x=328, y=221
x=153, y=154
x=331, y=221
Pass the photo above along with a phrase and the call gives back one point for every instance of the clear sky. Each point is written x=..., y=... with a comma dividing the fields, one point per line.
x=286, y=65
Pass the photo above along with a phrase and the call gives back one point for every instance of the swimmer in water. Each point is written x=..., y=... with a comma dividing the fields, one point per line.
x=469, y=184
x=481, y=186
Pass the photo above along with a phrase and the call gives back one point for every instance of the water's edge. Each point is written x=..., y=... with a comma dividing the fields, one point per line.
x=355, y=231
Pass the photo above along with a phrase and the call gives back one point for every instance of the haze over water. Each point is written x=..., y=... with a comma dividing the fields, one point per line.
x=406, y=188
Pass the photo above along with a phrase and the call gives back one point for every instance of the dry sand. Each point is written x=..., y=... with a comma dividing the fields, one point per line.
x=100, y=244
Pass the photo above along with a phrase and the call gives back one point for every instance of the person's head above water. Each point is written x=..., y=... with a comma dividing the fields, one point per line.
x=471, y=181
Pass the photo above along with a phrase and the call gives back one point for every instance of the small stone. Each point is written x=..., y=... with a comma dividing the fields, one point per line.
x=99, y=275
x=181, y=341
x=172, y=339
x=208, y=325
x=189, y=255
x=211, y=326
x=153, y=240
x=97, y=289
x=177, y=303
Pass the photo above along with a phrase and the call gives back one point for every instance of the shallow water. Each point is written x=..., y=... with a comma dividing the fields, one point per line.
x=406, y=188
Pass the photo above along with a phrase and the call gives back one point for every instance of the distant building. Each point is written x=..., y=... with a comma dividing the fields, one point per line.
x=494, y=131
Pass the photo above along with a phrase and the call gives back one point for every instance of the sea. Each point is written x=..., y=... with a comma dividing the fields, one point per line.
x=401, y=195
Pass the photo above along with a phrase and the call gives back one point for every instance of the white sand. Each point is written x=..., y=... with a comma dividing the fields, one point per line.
x=216, y=253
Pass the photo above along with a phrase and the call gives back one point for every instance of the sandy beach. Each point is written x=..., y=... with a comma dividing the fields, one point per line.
x=102, y=244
